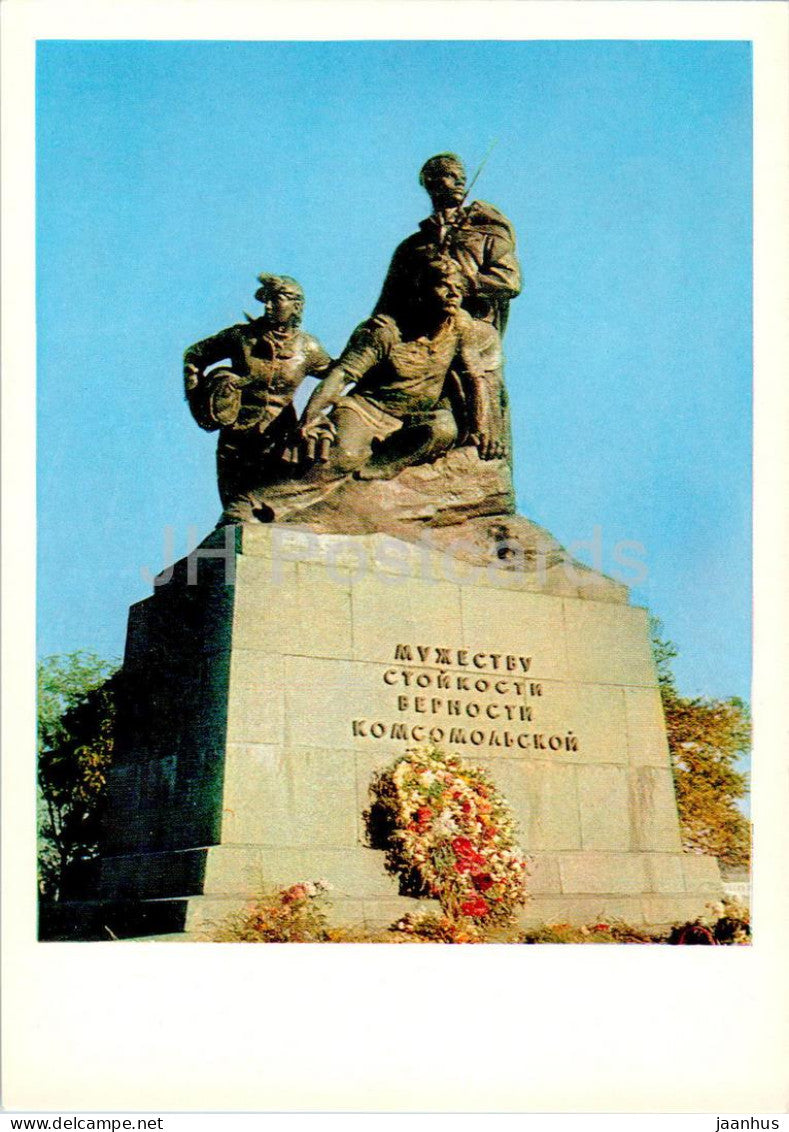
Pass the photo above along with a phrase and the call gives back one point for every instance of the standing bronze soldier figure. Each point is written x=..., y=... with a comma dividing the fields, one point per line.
x=478, y=237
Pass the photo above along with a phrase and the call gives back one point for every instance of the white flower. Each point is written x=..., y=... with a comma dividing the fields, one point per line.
x=445, y=824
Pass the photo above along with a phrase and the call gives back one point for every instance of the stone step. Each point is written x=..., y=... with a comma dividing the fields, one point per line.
x=245, y=870
x=173, y=937
x=105, y=921
x=642, y=910
x=199, y=918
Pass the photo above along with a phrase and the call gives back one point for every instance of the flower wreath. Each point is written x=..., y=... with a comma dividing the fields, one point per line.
x=446, y=824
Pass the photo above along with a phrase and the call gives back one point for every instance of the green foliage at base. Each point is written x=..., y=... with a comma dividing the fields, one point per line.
x=430, y=928
x=290, y=915
x=613, y=932
x=728, y=922
x=299, y=914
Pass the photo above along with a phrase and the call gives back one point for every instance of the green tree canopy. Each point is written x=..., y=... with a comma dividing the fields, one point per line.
x=76, y=725
x=706, y=738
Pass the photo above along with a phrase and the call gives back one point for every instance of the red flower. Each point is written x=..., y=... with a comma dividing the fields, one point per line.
x=295, y=892
x=482, y=881
x=423, y=815
x=475, y=906
x=467, y=856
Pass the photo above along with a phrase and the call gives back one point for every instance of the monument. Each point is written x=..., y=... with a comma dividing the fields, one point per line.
x=370, y=587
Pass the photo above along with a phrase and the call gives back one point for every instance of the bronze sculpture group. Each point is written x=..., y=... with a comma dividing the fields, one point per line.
x=419, y=378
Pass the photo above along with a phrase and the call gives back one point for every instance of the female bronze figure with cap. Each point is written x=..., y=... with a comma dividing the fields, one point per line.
x=249, y=397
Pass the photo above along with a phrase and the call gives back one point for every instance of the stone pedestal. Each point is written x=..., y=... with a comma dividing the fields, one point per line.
x=277, y=669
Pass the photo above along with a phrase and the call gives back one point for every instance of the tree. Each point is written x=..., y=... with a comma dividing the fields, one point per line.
x=76, y=725
x=705, y=739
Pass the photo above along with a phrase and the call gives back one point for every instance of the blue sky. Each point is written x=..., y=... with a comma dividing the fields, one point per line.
x=171, y=173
